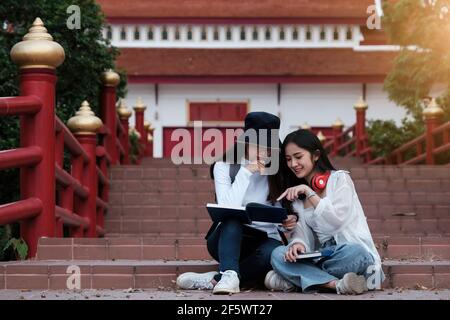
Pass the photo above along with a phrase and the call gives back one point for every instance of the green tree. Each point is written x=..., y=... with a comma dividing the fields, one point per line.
x=422, y=29
x=87, y=55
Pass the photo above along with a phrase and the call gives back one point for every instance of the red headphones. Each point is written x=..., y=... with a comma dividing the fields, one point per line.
x=319, y=181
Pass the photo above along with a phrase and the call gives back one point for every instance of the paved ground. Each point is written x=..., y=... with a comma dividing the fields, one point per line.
x=163, y=294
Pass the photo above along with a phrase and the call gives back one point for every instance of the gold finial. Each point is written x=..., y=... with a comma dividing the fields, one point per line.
x=84, y=122
x=338, y=124
x=305, y=126
x=110, y=78
x=149, y=138
x=37, y=49
x=321, y=137
x=139, y=105
x=122, y=110
x=133, y=131
x=360, y=104
x=433, y=111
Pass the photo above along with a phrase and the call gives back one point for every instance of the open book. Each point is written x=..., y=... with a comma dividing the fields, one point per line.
x=251, y=212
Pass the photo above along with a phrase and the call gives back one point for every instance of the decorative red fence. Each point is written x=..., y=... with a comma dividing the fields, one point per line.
x=56, y=202
x=425, y=148
x=352, y=142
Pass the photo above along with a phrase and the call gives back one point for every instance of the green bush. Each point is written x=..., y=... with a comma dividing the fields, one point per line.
x=385, y=136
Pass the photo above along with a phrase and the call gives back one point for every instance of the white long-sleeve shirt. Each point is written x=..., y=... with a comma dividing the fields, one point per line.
x=247, y=187
x=338, y=215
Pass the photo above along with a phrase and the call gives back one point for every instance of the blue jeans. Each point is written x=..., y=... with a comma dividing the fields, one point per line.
x=248, y=255
x=308, y=273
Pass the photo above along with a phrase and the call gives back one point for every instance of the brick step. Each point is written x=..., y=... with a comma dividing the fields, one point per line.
x=372, y=211
x=126, y=274
x=163, y=185
x=406, y=247
x=410, y=226
x=191, y=197
x=121, y=248
x=198, y=226
x=405, y=198
x=159, y=226
x=101, y=274
x=386, y=211
x=194, y=248
x=401, y=185
x=157, y=212
x=161, y=198
x=357, y=172
x=152, y=173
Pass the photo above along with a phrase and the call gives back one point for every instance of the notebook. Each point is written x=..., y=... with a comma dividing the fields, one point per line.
x=315, y=254
x=251, y=212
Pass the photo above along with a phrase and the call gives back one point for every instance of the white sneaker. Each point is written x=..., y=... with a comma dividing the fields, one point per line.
x=351, y=283
x=192, y=280
x=274, y=281
x=229, y=283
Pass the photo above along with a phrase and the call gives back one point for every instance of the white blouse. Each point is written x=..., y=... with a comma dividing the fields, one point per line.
x=338, y=215
x=247, y=187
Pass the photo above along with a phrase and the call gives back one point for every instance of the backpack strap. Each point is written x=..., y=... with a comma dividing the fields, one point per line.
x=234, y=169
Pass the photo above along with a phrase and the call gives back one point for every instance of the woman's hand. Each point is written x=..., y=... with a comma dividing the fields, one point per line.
x=293, y=251
x=292, y=194
x=255, y=166
x=290, y=223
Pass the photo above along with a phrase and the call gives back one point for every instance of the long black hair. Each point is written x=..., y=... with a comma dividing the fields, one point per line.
x=275, y=181
x=307, y=140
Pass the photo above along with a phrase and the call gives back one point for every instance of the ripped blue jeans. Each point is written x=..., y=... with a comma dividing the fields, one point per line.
x=308, y=274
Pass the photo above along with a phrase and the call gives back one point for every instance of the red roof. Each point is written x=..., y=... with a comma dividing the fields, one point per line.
x=340, y=10
x=333, y=64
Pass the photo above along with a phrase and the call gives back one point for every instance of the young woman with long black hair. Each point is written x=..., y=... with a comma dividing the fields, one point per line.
x=330, y=217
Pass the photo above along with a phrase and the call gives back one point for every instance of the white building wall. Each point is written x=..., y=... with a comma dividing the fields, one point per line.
x=316, y=104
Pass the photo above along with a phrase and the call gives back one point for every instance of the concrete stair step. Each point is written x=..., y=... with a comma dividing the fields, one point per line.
x=123, y=274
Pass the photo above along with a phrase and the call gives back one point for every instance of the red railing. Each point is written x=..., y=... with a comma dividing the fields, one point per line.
x=55, y=201
x=352, y=142
x=421, y=150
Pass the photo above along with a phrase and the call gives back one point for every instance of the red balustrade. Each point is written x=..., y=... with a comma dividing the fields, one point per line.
x=425, y=148
x=56, y=202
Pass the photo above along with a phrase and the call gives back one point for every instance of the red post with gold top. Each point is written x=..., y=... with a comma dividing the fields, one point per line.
x=433, y=117
x=139, y=110
x=38, y=56
x=360, y=107
x=124, y=114
x=110, y=80
x=149, y=139
x=337, y=126
x=85, y=125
